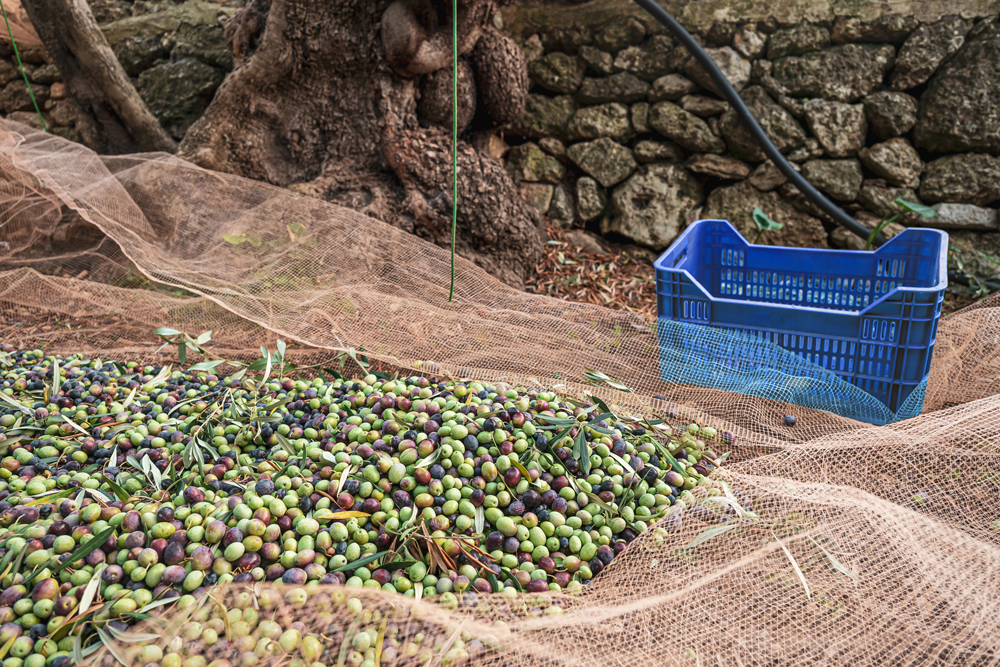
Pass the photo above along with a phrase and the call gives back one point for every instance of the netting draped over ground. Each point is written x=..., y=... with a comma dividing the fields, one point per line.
x=911, y=511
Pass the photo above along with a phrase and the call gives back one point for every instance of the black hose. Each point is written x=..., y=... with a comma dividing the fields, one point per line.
x=734, y=99
x=962, y=279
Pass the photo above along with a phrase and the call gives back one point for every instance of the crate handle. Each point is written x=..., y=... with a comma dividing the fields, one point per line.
x=680, y=258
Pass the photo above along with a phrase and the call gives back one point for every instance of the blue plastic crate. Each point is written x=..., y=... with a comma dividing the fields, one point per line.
x=830, y=329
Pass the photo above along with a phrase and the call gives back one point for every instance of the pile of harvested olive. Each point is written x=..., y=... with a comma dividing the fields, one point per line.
x=124, y=486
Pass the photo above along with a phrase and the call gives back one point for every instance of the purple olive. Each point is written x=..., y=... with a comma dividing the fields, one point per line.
x=270, y=551
x=113, y=574
x=134, y=540
x=131, y=522
x=605, y=554
x=65, y=605
x=201, y=558
x=232, y=535
x=173, y=554
x=536, y=586
x=46, y=589
x=174, y=574
x=215, y=531
x=247, y=561
x=494, y=540
x=335, y=578
x=531, y=499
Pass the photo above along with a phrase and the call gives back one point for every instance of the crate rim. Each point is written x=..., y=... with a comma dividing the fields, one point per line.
x=941, y=284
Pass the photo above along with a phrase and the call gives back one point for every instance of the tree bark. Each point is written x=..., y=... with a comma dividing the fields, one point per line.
x=324, y=99
x=115, y=120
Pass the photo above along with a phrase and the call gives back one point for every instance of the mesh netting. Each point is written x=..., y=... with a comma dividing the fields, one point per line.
x=872, y=545
x=20, y=27
x=744, y=363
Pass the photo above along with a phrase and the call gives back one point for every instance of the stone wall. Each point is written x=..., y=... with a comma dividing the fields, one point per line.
x=174, y=52
x=626, y=135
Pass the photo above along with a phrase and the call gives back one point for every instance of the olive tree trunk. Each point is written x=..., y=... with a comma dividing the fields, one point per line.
x=111, y=115
x=342, y=99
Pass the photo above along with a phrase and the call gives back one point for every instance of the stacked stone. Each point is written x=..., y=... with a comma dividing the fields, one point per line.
x=625, y=132
x=175, y=54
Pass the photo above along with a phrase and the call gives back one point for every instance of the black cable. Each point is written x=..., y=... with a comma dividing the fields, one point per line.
x=734, y=99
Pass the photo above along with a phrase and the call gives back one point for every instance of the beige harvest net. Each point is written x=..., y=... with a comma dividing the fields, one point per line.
x=875, y=545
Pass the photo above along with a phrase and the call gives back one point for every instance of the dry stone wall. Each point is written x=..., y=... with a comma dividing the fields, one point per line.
x=173, y=51
x=624, y=133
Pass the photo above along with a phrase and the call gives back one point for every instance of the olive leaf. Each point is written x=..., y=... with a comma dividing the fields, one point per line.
x=160, y=378
x=361, y=562
x=55, y=377
x=914, y=207
x=506, y=574
x=492, y=578
x=131, y=395
x=581, y=452
x=86, y=548
x=285, y=444
x=670, y=457
x=417, y=592
x=428, y=460
x=625, y=464
x=132, y=637
x=714, y=531
x=521, y=469
x=399, y=565
x=91, y=590
x=20, y=558
x=17, y=406
x=110, y=643
x=267, y=369
x=344, y=474
x=121, y=493
x=480, y=519
x=348, y=639
x=763, y=222
x=6, y=647
x=833, y=561
x=795, y=565
x=158, y=603
x=596, y=400
x=296, y=232
x=48, y=497
x=600, y=503
x=97, y=494
x=74, y=424
x=334, y=516
x=596, y=377
x=208, y=365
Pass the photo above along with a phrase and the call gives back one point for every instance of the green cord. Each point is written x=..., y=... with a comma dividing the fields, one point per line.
x=17, y=55
x=454, y=138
